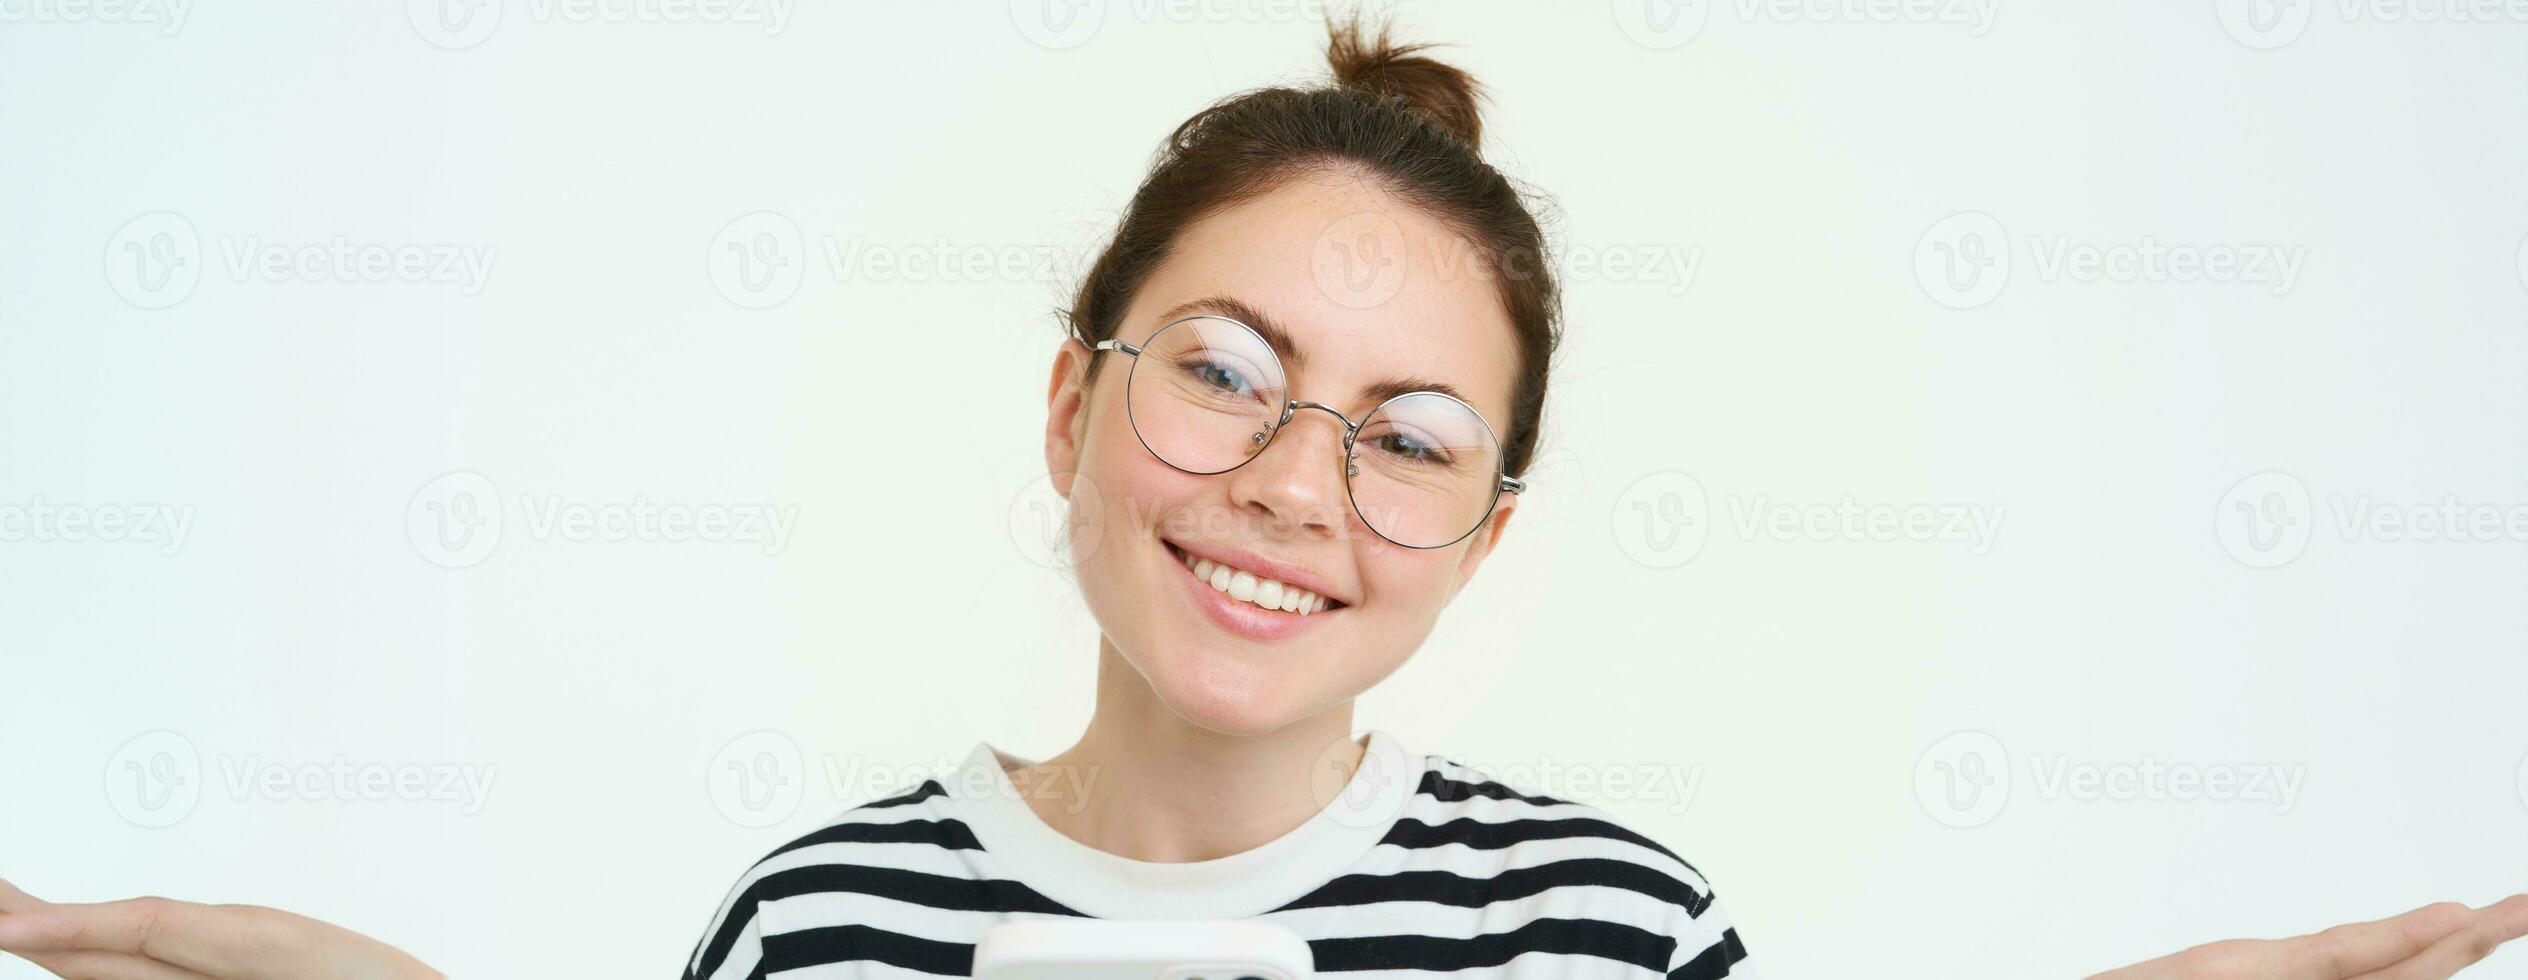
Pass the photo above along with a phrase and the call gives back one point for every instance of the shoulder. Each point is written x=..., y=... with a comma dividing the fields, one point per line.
x=910, y=842
x=1527, y=844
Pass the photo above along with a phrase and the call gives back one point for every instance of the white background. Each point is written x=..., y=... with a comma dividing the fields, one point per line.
x=1807, y=158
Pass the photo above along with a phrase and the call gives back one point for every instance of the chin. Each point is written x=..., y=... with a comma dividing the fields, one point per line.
x=1225, y=694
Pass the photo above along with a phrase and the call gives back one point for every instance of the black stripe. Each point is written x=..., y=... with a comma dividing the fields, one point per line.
x=849, y=944
x=1449, y=888
x=1493, y=836
x=1581, y=937
x=934, y=891
x=914, y=887
x=1410, y=832
x=953, y=835
x=1714, y=961
x=928, y=789
x=1448, y=790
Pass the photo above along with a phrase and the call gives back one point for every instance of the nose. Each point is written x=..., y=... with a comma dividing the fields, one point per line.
x=1297, y=482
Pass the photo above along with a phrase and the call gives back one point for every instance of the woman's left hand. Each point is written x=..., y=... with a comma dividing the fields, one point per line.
x=164, y=939
x=2430, y=943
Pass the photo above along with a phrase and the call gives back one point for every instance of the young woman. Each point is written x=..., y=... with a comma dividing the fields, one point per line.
x=1283, y=462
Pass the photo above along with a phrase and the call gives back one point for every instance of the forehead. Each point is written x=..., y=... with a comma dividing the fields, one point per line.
x=1367, y=288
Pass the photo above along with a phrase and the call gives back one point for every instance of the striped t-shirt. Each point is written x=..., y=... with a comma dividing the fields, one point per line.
x=1420, y=866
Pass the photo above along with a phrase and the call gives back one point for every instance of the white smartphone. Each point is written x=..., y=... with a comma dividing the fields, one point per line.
x=1119, y=949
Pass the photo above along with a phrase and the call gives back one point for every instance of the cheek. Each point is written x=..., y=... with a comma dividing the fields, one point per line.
x=1406, y=590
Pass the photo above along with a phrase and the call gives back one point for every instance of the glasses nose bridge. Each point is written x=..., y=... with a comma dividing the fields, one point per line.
x=1351, y=429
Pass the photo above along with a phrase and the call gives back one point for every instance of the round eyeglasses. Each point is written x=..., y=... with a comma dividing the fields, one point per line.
x=1206, y=394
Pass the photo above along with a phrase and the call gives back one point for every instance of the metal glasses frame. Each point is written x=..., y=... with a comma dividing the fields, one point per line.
x=1504, y=483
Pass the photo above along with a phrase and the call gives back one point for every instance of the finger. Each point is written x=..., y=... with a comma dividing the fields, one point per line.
x=218, y=941
x=110, y=966
x=2361, y=947
x=2487, y=929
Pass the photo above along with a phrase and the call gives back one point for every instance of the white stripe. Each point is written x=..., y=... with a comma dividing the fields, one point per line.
x=1592, y=902
x=903, y=918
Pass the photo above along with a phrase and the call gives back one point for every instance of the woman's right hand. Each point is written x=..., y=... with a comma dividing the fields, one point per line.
x=2430, y=943
x=164, y=939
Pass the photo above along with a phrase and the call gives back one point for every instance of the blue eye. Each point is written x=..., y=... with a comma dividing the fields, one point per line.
x=1222, y=378
x=1406, y=447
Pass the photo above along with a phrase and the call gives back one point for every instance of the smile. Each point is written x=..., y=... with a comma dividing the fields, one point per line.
x=1246, y=586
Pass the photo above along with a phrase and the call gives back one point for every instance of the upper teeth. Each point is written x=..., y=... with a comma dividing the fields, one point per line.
x=1246, y=586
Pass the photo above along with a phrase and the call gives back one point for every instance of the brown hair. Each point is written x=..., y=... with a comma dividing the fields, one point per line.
x=1408, y=122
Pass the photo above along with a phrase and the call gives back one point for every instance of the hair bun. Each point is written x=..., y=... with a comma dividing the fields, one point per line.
x=1441, y=93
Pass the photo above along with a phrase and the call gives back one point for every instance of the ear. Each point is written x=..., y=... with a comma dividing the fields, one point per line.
x=1066, y=413
x=1480, y=543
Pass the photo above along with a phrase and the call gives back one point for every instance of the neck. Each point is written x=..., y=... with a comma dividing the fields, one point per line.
x=1160, y=788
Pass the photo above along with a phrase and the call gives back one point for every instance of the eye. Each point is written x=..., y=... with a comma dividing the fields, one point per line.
x=1408, y=446
x=1221, y=377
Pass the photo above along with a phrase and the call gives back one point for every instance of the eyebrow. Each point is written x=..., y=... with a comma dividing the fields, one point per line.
x=1288, y=350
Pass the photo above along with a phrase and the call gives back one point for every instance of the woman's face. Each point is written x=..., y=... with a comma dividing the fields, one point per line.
x=1365, y=293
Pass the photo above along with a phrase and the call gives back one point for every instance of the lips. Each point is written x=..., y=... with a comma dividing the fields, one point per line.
x=1248, y=587
x=1236, y=604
